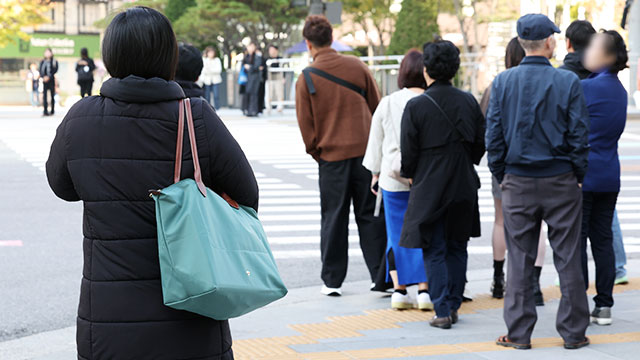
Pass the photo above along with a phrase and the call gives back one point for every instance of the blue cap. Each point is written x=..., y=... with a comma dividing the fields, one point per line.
x=536, y=27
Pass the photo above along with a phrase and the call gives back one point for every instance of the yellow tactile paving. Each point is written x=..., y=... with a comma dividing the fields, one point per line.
x=278, y=348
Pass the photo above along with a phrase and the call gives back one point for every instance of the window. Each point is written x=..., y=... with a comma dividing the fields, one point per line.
x=56, y=14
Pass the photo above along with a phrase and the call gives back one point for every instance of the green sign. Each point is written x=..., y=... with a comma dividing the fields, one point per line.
x=61, y=44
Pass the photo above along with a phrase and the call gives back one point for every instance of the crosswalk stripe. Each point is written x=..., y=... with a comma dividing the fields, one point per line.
x=272, y=193
x=278, y=186
x=302, y=200
x=289, y=208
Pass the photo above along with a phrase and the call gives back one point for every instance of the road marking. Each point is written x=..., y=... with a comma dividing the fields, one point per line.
x=272, y=193
x=303, y=240
x=303, y=200
x=278, y=186
x=11, y=243
x=298, y=227
x=281, y=209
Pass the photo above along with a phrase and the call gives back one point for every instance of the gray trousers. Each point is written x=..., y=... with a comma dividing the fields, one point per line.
x=526, y=202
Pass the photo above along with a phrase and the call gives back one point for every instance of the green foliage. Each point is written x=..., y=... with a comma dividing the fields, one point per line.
x=159, y=5
x=417, y=23
x=175, y=8
x=15, y=14
x=227, y=23
x=372, y=16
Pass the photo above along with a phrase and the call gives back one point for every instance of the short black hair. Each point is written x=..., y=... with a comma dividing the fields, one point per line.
x=410, y=73
x=140, y=41
x=84, y=52
x=318, y=30
x=274, y=46
x=616, y=46
x=441, y=59
x=189, y=63
x=580, y=33
x=513, y=54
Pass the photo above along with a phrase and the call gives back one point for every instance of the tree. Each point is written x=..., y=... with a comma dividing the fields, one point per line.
x=228, y=23
x=417, y=23
x=16, y=14
x=175, y=8
x=373, y=16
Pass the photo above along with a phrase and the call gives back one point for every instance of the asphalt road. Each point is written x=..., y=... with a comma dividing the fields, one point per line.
x=41, y=241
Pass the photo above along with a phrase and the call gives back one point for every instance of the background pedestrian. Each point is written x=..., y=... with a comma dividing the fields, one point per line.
x=190, y=65
x=251, y=64
x=577, y=36
x=33, y=85
x=211, y=76
x=84, y=68
x=48, y=69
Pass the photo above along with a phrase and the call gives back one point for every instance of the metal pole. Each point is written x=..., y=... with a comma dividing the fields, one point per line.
x=634, y=49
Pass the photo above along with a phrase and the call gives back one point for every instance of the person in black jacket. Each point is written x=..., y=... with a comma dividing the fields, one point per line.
x=442, y=137
x=578, y=35
x=189, y=68
x=252, y=63
x=108, y=152
x=85, y=67
x=48, y=70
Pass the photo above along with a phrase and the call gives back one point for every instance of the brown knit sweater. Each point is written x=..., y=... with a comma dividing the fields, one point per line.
x=335, y=121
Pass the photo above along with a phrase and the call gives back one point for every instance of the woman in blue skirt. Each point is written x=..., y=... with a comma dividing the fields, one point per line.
x=404, y=266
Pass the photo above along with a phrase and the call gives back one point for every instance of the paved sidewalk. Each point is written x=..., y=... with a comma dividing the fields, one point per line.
x=359, y=325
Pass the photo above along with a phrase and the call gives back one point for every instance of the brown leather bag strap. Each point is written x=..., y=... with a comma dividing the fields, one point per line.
x=178, y=164
x=197, y=174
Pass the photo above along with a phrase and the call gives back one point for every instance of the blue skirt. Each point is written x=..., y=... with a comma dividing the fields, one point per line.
x=409, y=262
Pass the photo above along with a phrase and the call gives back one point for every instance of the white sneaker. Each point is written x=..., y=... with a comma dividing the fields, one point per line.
x=424, y=301
x=401, y=302
x=330, y=291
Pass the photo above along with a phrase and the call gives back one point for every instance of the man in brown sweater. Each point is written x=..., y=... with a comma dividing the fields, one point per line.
x=335, y=98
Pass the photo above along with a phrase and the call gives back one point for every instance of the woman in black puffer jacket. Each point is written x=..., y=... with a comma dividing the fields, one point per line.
x=108, y=152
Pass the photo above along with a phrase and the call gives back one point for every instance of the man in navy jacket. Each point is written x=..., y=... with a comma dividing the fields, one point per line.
x=537, y=145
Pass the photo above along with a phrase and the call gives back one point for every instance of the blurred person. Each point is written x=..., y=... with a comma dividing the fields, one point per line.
x=441, y=139
x=607, y=104
x=190, y=66
x=108, y=151
x=251, y=64
x=277, y=81
x=211, y=76
x=334, y=115
x=48, y=69
x=264, y=71
x=84, y=68
x=537, y=145
x=33, y=84
x=403, y=266
x=513, y=56
x=577, y=36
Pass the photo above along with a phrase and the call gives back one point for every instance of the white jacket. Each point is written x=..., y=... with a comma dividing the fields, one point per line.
x=384, y=138
x=211, y=71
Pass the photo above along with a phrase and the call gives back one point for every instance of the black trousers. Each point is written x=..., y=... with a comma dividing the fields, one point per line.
x=342, y=182
x=49, y=87
x=85, y=88
x=597, y=217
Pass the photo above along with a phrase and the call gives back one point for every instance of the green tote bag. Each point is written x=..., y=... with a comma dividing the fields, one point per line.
x=214, y=256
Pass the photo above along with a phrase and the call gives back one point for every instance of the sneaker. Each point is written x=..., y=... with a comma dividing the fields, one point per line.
x=601, y=316
x=497, y=287
x=441, y=322
x=424, y=302
x=330, y=291
x=401, y=302
x=621, y=281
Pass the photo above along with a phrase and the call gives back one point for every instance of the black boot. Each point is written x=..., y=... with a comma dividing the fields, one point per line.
x=537, y=292
x=497, y=287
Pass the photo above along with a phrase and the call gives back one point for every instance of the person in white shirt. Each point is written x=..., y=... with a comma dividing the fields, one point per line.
x=211, y=76
x=404, y=266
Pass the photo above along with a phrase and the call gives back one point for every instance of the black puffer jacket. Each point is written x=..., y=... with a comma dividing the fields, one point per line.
x=108, y=152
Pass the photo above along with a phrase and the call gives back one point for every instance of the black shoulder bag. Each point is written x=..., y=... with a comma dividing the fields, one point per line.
x=312, y=90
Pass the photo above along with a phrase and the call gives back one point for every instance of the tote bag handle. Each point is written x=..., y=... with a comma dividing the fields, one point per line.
x=184, y=106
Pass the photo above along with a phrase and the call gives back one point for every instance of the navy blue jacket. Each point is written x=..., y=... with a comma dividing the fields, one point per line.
x=607, y=103
x=537, y=122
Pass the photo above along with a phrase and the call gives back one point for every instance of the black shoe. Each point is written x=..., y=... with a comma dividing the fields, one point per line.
x=454, y=316
x=45, y=114
x=601, y=316
x=537, y=295
x=579, y=345
x=497, y=287
x=537, y=292
x=441, y=322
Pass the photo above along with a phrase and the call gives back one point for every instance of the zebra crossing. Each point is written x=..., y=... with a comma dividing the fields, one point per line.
x=287, y=177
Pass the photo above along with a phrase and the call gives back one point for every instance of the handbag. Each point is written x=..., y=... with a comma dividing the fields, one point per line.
x=396, y=163
x=214, y=256
x=243, y=79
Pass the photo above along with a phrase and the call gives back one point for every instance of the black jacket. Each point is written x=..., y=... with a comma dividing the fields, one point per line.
x=190, y=88
x=85, y=72
x=48, y=67
x=573, y=63
x=445, y=183
x=108, y=152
